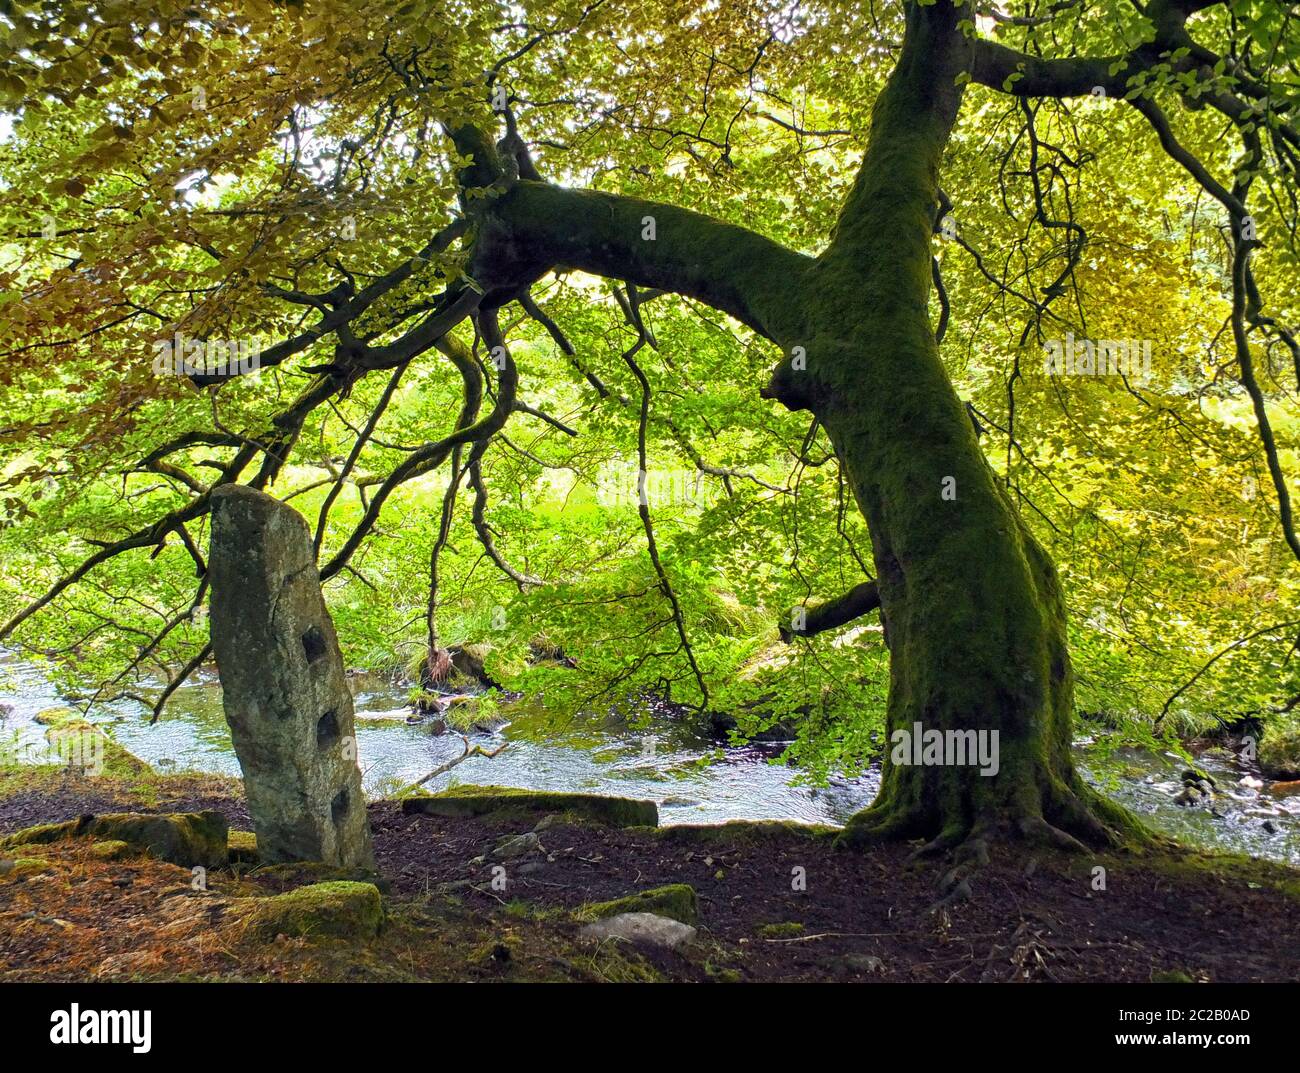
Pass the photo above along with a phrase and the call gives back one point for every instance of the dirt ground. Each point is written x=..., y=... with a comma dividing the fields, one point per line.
x=774, y=904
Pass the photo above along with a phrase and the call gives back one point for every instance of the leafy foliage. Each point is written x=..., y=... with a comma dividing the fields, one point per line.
x=177, y=171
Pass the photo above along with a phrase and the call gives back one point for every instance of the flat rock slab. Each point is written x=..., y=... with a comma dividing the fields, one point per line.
x=284, y=685
x=468, y=801
x=646, y=929
x=184, y=838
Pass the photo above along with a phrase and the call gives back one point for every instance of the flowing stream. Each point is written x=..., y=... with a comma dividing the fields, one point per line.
x=692, y=778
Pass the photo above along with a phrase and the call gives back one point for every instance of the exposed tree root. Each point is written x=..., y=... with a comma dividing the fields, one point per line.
x=1081, y=821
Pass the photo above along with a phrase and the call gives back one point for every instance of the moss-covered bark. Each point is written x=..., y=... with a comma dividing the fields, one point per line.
x=973, y=612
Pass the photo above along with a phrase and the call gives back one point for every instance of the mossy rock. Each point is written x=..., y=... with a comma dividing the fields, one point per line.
x=48, y=717
x=471, y=661
x=21, y=849
x=677, y=900
x=241, y=847
x=1279, y=755
x=15, y=869
x=340, y=908
x=113, y=850
x=40, y=835
x=308, y=873
x=83, y=745
x=468, y=801
x=183, y=838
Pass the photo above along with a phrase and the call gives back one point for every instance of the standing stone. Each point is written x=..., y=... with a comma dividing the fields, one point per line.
x=285, y=691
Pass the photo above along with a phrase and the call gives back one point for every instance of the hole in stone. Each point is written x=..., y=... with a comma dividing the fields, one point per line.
x=339, y=806
x=313, y=643
x=327, y=729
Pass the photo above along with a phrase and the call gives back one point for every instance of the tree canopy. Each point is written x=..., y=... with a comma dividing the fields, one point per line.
x=336, y=187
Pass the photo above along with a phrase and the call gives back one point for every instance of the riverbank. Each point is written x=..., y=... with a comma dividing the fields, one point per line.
x=768, y=901
x=694, y=780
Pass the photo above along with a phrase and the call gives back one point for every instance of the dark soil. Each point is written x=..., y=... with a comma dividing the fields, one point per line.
x=863, y=916
x=53, y=800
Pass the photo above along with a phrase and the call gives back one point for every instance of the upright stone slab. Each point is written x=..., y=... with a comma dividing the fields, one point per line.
x=285, y=691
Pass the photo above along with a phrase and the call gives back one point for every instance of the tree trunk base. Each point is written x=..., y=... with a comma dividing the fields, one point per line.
x=1081, y=820
x=1073, y=818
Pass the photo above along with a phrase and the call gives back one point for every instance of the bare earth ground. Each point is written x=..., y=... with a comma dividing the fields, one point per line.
x=863, y=916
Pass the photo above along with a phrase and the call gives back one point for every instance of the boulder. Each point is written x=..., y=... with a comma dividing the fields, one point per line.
x=470, y=661
x=48, y=717
x=241, y=847
x=515, y=846
x=341, y=908
x=857, y=964
x=644, y=929
x=284, y=684
x=677, y=901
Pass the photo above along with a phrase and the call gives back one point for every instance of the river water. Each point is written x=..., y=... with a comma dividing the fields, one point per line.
x=692, y=779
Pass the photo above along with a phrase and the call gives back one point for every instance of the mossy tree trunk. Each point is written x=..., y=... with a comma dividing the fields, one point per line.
x=973, y=611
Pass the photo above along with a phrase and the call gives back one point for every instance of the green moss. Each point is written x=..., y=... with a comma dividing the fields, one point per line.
x=86, y=747
x=785, y=930
x=241, y=847
x=468, y=801
x=112, y=850
x=497, y=951
x=1279, y=755
x=677, y=900
x=142, y=790
x=462, y=713
x=1173, y=976
x=41, y=834
x=48, y=717
x=305, y=873
x=22, y=867
x=1229, y=869
x=184, y=838
x=22, y=849
x=340, y=908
